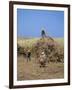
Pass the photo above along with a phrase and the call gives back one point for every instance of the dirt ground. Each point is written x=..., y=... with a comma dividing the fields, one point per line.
x=31, y=71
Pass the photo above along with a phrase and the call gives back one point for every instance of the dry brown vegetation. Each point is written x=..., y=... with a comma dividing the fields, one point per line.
x=31, y=70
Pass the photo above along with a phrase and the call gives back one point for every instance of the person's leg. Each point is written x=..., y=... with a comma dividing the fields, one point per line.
x=29, y=58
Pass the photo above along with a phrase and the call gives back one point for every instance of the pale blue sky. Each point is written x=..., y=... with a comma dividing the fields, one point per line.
x=30, y=23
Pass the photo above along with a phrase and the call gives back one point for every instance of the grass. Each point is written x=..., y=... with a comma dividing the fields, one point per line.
x=59, y=41
x=31, y=70
x=29, y=42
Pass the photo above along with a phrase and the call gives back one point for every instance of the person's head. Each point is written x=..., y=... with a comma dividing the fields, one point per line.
x=42, y=53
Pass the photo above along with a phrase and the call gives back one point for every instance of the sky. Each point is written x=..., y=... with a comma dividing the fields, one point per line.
x=31, y=22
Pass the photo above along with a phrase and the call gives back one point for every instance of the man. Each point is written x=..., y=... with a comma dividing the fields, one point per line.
x=43, y=34
x=28, y=55
x=42, y=59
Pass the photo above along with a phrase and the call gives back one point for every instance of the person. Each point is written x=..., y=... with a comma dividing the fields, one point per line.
x=42, y=59
x=28, y=55
x=43, y=34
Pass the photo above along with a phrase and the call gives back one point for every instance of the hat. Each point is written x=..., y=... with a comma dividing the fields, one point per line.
x=42, y=53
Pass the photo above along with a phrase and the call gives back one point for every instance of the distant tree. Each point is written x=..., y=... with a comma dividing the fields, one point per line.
x=43, y=34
